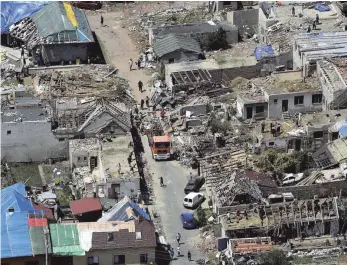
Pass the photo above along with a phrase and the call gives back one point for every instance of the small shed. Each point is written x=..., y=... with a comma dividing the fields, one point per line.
x=86, y=209
x=175, y=48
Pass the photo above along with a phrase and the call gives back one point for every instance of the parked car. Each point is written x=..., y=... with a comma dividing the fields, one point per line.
x=188, y=221
x=194, y=185
x=292, y=178
x=193, y=199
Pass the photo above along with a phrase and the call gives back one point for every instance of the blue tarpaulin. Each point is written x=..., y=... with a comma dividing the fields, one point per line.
x=322, y=8
x=15, y=237
x=263, y=51
x=12, y=12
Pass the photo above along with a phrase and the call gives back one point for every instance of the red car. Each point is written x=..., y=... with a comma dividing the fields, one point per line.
x=93, y=5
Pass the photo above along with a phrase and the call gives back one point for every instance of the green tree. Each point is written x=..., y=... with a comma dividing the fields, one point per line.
x=275, y=257
x=201, y=216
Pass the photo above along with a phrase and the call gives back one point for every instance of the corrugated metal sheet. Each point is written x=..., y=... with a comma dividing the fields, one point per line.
x=15, y=238
x=15, y=209
x=173, y=42
x=65, y=240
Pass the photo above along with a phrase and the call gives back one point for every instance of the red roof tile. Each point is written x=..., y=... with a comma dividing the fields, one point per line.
x=85, y=205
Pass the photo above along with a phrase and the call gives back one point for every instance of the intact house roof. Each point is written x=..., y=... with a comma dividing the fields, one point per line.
x=85, y=205
x=173, y=42
x=142, y=237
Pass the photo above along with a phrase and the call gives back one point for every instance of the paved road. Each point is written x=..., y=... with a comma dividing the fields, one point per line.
x=169, y=203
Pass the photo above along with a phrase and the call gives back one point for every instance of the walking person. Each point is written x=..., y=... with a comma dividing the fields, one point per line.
x=314, y=25
x=317, y=19
x=309, y=29
x=178, y=238
x=142, y=103
x=293, y=11
x=189, y=256
x=102, y=21
x=136, y=110
x=140, y=84
x=130, y=64
x=147, y=101
x=138, y=64
x=178, y=251
x=161, y=181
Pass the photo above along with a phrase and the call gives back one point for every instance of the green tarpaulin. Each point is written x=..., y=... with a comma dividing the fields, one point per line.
x=65, y=240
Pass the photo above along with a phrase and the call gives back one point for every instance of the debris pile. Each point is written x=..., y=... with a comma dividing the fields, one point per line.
x=85, y=81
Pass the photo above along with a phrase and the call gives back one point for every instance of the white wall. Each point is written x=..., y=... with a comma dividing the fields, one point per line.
x=275, y=109
x=30, y=141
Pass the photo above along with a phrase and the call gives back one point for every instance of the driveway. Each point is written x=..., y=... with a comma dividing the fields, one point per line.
x=169, y=203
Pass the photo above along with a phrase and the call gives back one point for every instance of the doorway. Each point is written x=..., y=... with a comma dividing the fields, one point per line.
x=285, y=105
x=249, y=113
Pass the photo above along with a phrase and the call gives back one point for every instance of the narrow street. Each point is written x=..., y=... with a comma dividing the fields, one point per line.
x=169, y=199
x=169, y=203
x=120, y=48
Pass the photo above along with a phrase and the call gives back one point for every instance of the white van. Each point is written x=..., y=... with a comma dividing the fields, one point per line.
x=193, y=199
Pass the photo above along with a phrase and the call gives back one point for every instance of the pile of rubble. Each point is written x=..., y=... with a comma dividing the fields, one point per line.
x=207, y=244
x=84, y=81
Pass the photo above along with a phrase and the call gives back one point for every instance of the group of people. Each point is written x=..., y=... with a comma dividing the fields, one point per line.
x=138, y=63
x=314, y=23
x=172, y=252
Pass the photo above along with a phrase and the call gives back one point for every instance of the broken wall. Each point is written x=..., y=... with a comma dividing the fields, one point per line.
x=247, y=72
x=245, y=20
x=30, y=141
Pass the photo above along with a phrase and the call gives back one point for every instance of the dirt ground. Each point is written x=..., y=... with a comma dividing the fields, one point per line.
x=120, y=48
x=116, y=38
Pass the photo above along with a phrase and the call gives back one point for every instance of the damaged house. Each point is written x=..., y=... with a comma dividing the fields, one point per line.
x=88, y=118
x=87, y=101
x=332, y=75
x=279, y=95
x=60, y=33
x=26, y=130
x=101, y=167
x=176, y=48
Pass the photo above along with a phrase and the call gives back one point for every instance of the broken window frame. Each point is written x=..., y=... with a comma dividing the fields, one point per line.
x=317, y=98
x=298, y=99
